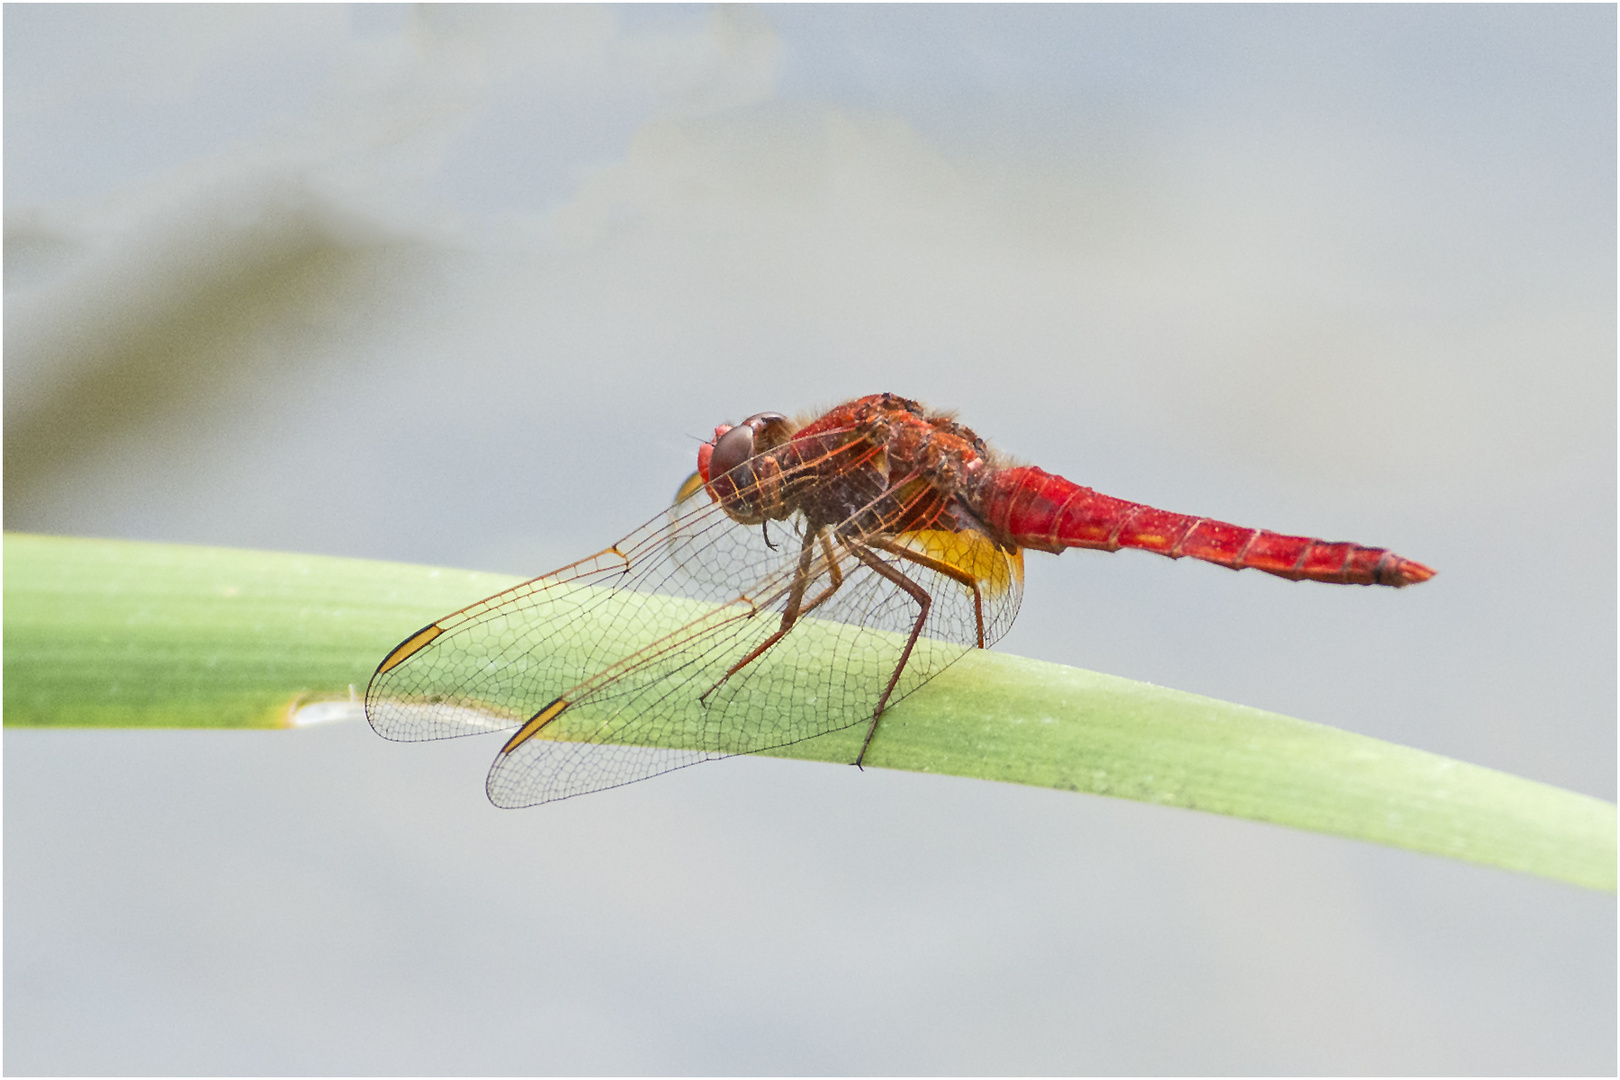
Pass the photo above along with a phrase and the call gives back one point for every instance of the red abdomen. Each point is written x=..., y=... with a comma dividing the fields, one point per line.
x=1038, y=510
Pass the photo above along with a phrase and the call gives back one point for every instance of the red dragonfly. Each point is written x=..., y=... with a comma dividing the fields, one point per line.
x=813, y=573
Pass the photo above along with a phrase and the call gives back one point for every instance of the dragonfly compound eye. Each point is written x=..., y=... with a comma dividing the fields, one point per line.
x=731, y=450
x=751, y=493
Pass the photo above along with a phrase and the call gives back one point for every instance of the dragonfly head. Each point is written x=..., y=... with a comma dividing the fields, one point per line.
x=733, y=471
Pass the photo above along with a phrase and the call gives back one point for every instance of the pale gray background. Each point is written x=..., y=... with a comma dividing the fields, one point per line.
x=466, y=286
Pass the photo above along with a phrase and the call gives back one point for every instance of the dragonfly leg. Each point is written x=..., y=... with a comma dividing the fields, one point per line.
x=955, y=573
x=924, y=603
x=835, y=577
x=796, y=608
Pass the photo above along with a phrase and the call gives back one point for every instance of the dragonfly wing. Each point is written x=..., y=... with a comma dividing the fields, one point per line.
x=735, y=678
x=686, y=695
x=475, y=671
x=489, y=666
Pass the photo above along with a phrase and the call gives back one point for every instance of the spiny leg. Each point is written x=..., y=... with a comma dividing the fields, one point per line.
x=835, y=576
x=924, y=603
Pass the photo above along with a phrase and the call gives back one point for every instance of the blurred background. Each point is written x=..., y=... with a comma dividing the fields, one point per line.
x=467, y=286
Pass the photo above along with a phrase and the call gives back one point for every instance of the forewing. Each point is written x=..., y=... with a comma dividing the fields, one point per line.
x=491, y=665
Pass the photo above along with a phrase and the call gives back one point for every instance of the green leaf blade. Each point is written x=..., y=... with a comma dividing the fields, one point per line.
x=1110, y=736
x=114, y=633
x=121, y=634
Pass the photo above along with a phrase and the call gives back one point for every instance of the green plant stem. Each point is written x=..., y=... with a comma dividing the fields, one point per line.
x=113, y=633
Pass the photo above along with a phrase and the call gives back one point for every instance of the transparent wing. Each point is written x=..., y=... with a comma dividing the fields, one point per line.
x=694, y=638
x=491, y=665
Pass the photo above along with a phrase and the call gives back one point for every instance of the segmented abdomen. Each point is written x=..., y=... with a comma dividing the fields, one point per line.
x=1040, y=510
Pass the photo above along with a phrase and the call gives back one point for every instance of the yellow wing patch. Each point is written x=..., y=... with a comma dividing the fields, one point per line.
x=689, y=488
x=536, y=722
x=412, y=644
x=971, y=552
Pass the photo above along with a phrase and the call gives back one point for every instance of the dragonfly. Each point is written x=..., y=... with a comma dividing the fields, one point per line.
x=811, y=573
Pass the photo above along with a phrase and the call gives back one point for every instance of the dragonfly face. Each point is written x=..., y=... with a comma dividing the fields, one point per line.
x=740, y=472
